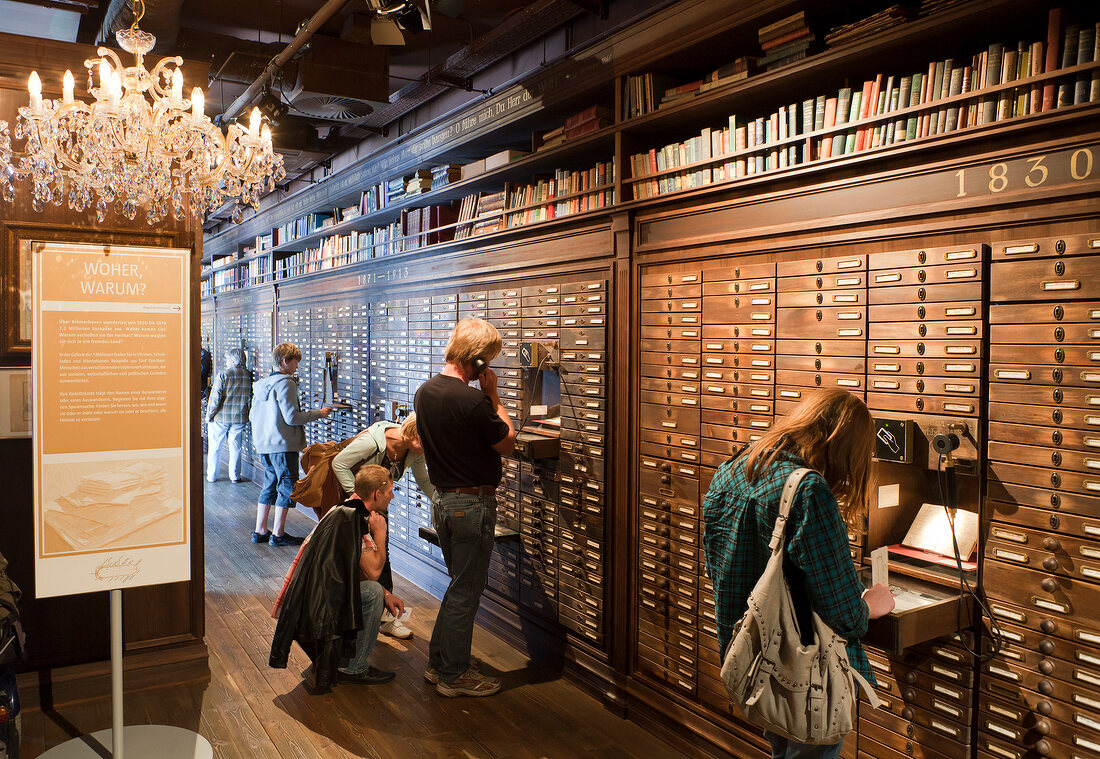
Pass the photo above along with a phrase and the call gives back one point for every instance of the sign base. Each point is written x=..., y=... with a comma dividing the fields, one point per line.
x=161, y=741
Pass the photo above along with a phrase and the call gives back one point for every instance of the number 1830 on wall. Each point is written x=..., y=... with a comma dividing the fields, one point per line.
x=1046, y=170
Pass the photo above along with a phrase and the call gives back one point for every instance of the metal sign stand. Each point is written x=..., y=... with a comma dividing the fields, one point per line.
x=162, y=741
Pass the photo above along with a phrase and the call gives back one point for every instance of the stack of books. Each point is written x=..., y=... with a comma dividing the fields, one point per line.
x=578, y=125
x=445, y=175
x=786, y=41
x=681, y=92
x=866, y=27
x=420, y=181
x=740, y=68
x=490, y=216
x=395, y=190
x=467, y=212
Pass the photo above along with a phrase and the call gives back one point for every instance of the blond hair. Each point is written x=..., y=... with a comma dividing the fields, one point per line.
x=369, y=480
x=408, y=427
x=471, y=339
x=284, y=352
x=833, y=432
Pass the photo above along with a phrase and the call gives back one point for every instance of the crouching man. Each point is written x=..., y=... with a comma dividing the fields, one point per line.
x=331, y=603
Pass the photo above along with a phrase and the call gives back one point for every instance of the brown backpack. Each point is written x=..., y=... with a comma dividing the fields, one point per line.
x=319, y=488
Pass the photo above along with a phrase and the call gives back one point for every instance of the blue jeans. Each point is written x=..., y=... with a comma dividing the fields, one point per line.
x=466, y=526
x=280, y=474
x=371, y=599
x=218, y=434
x=785, y=749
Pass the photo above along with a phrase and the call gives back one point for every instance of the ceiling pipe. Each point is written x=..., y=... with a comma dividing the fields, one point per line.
x=327, y=11
x=161, y=19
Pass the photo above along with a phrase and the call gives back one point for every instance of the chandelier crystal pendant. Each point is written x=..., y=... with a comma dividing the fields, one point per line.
x=139, y=146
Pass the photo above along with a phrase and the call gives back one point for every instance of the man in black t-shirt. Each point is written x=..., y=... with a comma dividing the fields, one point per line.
x=464, y=432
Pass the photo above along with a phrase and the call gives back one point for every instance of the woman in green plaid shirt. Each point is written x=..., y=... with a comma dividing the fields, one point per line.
x=832, y=433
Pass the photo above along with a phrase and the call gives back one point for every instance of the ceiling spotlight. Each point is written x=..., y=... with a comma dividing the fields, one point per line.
x=271, y=107
x=392, y=17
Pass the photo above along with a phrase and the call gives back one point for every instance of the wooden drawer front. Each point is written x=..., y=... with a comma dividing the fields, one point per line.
x=1009, y=516
x=654, y=278
x=941, y=735
x=934, y=296
x=736, y=390
x=1065, y=556
x=963, y=369
x=583, y=339
x=925, y=275
x=581, y=405
x=897, y=744
x=1082, y=419
x=750, y=348
x=666, y=439
x=791, y=347
x=902, y=700
x=743, y=420
x=1026, y=373
x=665, y=345
x=671, y=292
x=746, y=287
x=575, y=305
x=673, y=305
x=853, y=382
x=667, y=485
x=541, y=333
x=578, y=417
x=1081, y=398
x=748, y=334
x=759, y=309
x=923, y=404
x=1052, y=594
x=748, y=376
x=586, y=320
x=670, y=419
x=1048, y=355
x=840, y=264
x=943, y=311
x=1072, y=245
x=1052, y=458
x=688, y=360
x=848, y=298
x=927, y=257
x=1020, y=701
x=664, y=371
x=823, y=282
x=1071, y=278
x=686, y=319
x=1044, y=498
x=583, y=355
x=669, y=332
x=1045, y=334
x=739, y=270
x=1024, y=643
x=926, y=349
x=832, y=323
x=945, y=698
x=923, y=671
x=543, y=290
x=736, y=360
x=1043, y=735
x=990, y=747
x=1074, y=312
x=749, y=406
x=586, y=287
x=1042, y=477
x=686, y=455
x=649, y=536
x=956, y=726
x=921, y=385
x=945, y=330
x=833, y=364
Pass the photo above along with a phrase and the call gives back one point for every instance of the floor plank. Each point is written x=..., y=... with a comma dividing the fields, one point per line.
x=248, y=709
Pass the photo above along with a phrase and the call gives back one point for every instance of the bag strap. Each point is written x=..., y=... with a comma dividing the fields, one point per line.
x=868, y=691
x=790, y=488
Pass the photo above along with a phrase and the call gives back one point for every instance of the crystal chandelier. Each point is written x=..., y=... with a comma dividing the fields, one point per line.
x=163, y=156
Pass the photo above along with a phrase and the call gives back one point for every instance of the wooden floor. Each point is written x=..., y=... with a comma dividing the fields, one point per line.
x=247, y=709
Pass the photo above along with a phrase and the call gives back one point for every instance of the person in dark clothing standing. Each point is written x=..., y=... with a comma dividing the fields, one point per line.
x=206, y=368
x=464, y=432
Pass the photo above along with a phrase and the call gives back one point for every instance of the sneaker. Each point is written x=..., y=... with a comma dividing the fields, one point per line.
x=235, y=481
x=286, y=539
x=372, y=676
x=395, y=629
x=432, y=676
x=261, y=537
x=211, y=479
x=470, y=683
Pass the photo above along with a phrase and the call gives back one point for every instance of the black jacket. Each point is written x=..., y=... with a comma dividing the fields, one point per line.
x=321, y=608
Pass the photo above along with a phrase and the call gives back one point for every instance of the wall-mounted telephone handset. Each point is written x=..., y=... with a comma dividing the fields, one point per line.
x=480, y=366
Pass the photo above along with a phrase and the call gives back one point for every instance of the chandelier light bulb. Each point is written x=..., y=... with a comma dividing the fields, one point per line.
x=34, y=87
x=198, y=104
x=134, y=146
x=67, y=87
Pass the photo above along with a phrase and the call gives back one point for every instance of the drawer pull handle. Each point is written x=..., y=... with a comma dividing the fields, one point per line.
x=1019, y=558
x=895, y=277
x=1015, y=537
x=845, y=299
x=763, y=363
x=1092, y=463
x=961, y=273
x=757, y=316
x=847, y=382
x=1090, y=376
x=958, y=255
x=1065, y=284
x=790, y=394
x=887, y=367
x=761, y=331
x=961, y=331
x=1013, y=374
x=716, y=389
x=760, y=392
x=886, y=349
x=851, y=263
x=964, y=368
x=960, y=349
x=952, y=388
x=760, y=347
x=885, y=385
x=849, y=332
x=1016, y=250
x=971, y=311
x=760, y=286
x=849, y=315
x=961, y=408
x=1050, y=605
x=1007, y=673
x=1013, y=714
x=760, y=302
x=848, y=281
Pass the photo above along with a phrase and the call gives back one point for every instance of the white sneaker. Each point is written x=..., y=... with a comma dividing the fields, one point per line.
x=394, y=628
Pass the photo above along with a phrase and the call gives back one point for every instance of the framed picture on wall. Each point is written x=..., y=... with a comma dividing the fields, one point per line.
x=15, y=402
x=16, y=240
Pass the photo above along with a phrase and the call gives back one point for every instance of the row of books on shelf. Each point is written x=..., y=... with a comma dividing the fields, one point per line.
x=580, y=124
x=765, y=143
x=341, y=250
x=574, y=192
